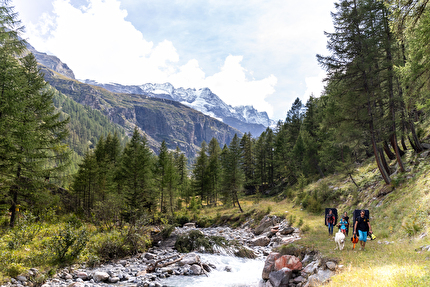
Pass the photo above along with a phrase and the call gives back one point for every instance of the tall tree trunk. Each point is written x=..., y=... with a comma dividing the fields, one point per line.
x=412, y=144
x=388, y=151
x=417, y=144
x=318, y=167
x=379, y=163
x=237, y=200
x=393, y=141
x=402, y=140
x=384, y=161
x=389, y=58
x=14, y=192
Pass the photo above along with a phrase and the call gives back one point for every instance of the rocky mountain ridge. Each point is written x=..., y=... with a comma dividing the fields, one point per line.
x=159, y=119
x=243, y=118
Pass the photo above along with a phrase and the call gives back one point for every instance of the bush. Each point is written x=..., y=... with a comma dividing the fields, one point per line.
x=196, y=240
x=118, y=244
x=245, y=253
x=68, y=243
x=305, y=228
x=25, y=231
x=14, y=269
x=182, y=219
x=167, y=230
x=314, y=205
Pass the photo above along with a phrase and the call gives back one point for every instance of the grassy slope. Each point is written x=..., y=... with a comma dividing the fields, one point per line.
x=400, y=217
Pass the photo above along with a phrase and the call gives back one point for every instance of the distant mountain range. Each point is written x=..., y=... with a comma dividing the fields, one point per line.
x=181, y=117
x=244, y=118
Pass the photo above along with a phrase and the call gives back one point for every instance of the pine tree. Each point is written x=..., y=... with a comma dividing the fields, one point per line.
x=214, y=170
x=200, y=174
x=31, y=133
x=248, y=160
x=135, y=176
x=233, y=173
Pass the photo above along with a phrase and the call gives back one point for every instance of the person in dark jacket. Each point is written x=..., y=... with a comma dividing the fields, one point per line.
x=330, y=220
x=362, y=224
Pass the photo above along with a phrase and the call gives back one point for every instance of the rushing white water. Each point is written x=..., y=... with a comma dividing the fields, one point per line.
x=244, y=273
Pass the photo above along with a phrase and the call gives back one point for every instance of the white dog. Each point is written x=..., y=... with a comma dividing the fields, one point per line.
x=340, y=240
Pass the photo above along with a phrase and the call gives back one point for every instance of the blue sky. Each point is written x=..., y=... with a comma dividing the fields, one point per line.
x=248, y=52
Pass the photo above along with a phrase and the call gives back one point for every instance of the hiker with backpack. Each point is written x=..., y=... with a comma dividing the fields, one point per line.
x=362, y=224
x=330, y=220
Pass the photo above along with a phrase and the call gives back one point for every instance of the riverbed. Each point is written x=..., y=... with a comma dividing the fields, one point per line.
x=242, y=273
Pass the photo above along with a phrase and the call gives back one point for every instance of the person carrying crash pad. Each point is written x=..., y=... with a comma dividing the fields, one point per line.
x=362, y=224
x=330, y=220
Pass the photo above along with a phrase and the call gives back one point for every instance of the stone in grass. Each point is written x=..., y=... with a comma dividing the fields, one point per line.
x=331, y=265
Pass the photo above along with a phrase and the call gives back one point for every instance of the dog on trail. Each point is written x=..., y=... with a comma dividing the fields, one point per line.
x=339, y=238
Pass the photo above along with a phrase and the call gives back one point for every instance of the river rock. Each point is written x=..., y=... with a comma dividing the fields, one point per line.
x=260, y=241
x=114, y=279
x=150, y=256
x=82, y=275
x=311, y=267
x=321, y=277
x=190, y=258
x=265, y=225
x=75, y=284
x=280, y=277
x=100, y=276
x=287, y=230
x=21, y=278
x=197, y=270
x=190, y=225
x=289, y=261
x=269, y=264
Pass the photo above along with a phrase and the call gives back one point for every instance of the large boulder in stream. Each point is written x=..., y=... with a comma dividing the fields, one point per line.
x=275, y=262
x=190, y=259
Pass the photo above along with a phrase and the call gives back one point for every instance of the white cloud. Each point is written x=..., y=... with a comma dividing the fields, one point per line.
x=314, y=85
x=98, y=43
x=232, y=85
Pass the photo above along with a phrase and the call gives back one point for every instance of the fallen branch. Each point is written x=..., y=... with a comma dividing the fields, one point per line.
x=152, y=267
x=204, y=271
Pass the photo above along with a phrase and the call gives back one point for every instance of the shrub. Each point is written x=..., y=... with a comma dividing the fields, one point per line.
x=182, y=219
x=167, y=230
x=119, y=244
x=14, y=269
x=25, y=231
x=196, y=240
x=68, y=243
x=305, y=228
x=245, y=253
x=314, y=205
x=291, y=219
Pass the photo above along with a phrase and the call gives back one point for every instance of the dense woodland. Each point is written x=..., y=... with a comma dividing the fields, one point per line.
x=377, y=91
